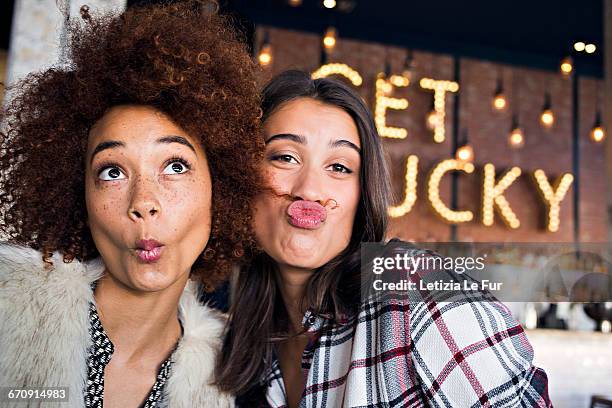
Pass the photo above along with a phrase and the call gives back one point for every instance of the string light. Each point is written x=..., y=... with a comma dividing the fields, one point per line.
x=383, y=102
x=499, y=99
x=265, y=51
x=493, y=196
x=598, y=134
x=547, y=117
x=499, y=102
x=329, y=40
x=588, y=48
x=567, y=66
x=553, y=195
x=432, y=117
x=440, y=88
x=516, y=138
x=433, y=191
x=265, y=55
x=410, y=192
x=330, y=4
x=338, y=69
x=465, y=153
x=408, y=68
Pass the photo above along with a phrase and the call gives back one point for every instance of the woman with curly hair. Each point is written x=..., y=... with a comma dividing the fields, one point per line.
x=126, y=179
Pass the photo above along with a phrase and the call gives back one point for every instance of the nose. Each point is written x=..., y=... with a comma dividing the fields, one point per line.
x=309, y=185
x=144, y=204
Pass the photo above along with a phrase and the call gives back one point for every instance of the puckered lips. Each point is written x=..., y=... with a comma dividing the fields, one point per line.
x=306, y=214
x=149, y=250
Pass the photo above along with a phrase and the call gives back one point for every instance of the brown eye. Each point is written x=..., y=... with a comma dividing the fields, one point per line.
x=339, y=168
x=176, y=167
x=287, y=158
x=111, y=174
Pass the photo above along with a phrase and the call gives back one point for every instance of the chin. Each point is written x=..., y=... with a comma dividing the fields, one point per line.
x=307, y=261
x=151, y=280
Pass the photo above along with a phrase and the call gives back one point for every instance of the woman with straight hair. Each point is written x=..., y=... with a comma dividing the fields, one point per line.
x=300, y=334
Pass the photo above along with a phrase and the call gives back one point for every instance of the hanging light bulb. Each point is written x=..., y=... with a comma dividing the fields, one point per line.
x=408, y=68
x=516, y=138
x=598, y=134
x=590, y=48
x=465, y=153
x=431, y=120
x=387, y=71
x=547, y=116
x=567, y=66
x=499, y=99
x=579, y=46
x=330, y=4
x=329, y=40
x=265, y=52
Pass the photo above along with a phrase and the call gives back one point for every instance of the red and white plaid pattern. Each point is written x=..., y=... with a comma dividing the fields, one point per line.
x=401, y=353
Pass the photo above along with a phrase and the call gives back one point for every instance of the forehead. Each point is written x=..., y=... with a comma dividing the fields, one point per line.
x=128, y=123
x=312, y=119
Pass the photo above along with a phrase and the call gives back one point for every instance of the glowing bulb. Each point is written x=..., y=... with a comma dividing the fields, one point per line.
x=386, y=87
x=499, y=101
x=516, y=138
x=295, y=3
x=598, y=134
x=547, y=118
x=433, y=190
x=551, y=196
x=330, y=4
x=566, y=66
x=432, y=120
x=338, y=69
x=440, y=88
x=329, y=41
x=579, y=46
x=465, y=153
x=265, y=55
x=590, y=48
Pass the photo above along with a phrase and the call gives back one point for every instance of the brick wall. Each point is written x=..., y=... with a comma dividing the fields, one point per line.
x=487, y=131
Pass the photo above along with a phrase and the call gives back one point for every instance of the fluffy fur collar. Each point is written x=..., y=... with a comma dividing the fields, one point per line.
x=44, y=331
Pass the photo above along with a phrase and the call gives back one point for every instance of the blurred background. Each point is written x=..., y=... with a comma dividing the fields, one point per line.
x=494, y=117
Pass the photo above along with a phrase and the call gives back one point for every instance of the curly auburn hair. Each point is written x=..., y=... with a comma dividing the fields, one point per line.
x=183, y=59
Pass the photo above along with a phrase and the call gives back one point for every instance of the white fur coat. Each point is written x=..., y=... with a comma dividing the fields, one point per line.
x=44, y=333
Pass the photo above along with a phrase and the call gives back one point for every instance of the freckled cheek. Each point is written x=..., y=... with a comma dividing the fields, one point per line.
x=106, y=213
x=190, y=205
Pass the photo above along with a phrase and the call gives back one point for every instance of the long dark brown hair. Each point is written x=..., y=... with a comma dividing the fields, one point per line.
x=257, y=314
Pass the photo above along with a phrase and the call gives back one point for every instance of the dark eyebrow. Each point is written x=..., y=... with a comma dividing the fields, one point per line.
x=287, y=136
x=345, y=143
x=302, y=140
x=176, y=139
x=112, y=144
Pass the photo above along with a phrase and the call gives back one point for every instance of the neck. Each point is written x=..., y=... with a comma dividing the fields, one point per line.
x=292, y=285
x=139, y=324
